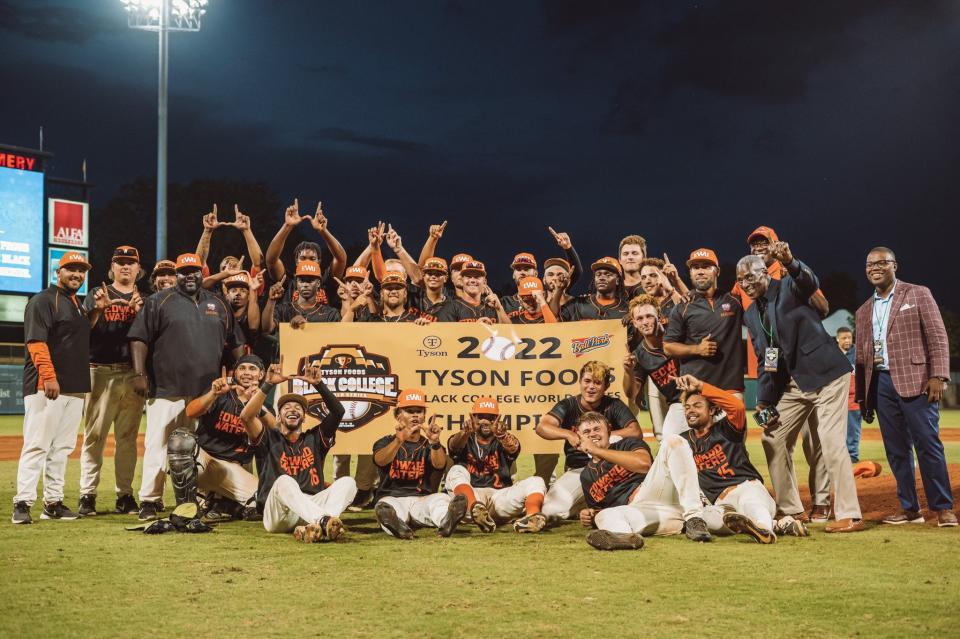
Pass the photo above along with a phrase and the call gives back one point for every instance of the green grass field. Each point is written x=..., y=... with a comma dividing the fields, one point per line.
x=91, y=578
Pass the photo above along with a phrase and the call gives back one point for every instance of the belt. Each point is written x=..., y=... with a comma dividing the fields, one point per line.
x=114, y=367
x=726, y=491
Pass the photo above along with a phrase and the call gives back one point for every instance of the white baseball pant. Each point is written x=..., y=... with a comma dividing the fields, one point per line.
x=750, y=499
x=675, y=423
x=504, y=504
x=657, y=407
x=111, y=402
x=164, y=415
x=49, y=436
x=425, y=511
x=565, y=497
x=287, y=506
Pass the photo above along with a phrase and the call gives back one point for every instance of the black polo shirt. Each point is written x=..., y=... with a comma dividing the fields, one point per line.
x=302, y=459
x=408, y=475
x=108, y=337
x=488, y=464
x=721, y=458
x=662, y=371
x=606, y=484
x=286, y=311
x=567, y=411
x=722, y=318
x=55, y=317
x=185, y=340
x=220, y=431
x=586, y=307
x=462, y=311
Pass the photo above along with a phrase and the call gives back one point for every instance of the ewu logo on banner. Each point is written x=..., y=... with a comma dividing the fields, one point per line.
x=362, y=381
x=68, y=223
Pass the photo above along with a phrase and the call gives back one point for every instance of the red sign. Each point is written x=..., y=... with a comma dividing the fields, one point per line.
x=17, y=161
x=68, y=223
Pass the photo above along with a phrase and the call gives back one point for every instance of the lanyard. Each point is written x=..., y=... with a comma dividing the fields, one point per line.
x=881, y=319
x=768, y=331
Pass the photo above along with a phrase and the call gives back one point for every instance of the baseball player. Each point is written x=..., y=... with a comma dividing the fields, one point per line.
x=566, y=495
x=476, y=302
x=305, y=308
x=241, y=294
x=533, y=307
x=163, y=276
x=176, y=345
x=483, y=453
x=224, y=451
x=523, y=265
x=432, y=297
x=290, y=492
x=632, y=251
x=648, y=363
x=406, y=460
x=629, y=494
x=718, y=423
x=660, y=279
x=240, y=222
x=607, y=301
x=456, y=275
x=55, y=377
x=556, y=276
x=112, y=400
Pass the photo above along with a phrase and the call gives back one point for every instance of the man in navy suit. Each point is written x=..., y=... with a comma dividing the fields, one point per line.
x=801, y=372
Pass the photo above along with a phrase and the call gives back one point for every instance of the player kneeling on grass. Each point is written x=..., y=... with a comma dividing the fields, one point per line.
x=406, y=460
x=291, y=494
x=484, y=453
x=629, y=494
x=726, y=475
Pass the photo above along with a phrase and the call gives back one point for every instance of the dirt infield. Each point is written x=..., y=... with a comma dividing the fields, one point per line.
x=10, y=446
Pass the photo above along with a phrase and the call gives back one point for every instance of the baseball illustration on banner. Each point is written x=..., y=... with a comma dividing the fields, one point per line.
x=498, y=349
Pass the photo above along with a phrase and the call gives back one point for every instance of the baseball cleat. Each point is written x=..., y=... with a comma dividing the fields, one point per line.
x=531, y=523
x=327, y=529
x=57, y=510
x=696, y=530
x=148, y=511
x=744, y=525
x=789, y=526
x=126, y=505
x=456, y=511
x=606, y=540
x=388, y=519
x=21, y=513
x=481, y=517
x=87, y=506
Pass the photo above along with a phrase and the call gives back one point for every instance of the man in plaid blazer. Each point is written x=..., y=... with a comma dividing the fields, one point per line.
x=902, y=367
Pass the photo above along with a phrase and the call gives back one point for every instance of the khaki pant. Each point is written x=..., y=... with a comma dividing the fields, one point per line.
x=227, y=479
x=49, y=436
x=366, y=474
x=829, y=407
x=164, y=415
x=111, y=402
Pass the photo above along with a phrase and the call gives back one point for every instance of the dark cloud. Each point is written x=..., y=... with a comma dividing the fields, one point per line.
x=52, y=23
x=321, y=69
x=353, y=137
x=562, y=16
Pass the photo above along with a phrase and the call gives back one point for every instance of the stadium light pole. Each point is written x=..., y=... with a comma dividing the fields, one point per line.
x=163, y=16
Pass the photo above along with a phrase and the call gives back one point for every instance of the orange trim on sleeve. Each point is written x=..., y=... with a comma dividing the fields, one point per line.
x=40, y=355
x=548, y=316
x=377, y=264
x=735, y=409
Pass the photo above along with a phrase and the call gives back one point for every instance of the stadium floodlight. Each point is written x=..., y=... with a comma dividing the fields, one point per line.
x=163, y=16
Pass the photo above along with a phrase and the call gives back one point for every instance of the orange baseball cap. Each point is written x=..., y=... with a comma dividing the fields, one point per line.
x=308, y=268
x=529, y=286
x=240, y=279
x=703, y=255
x=126, y=252
x=475, y=267
x=763, y=231
x=557, y=261
x=355, y=272
x=411, y=398
x=608, y=263
x=435, y=264
x=188, y=260
x=459, y=260
x=393, y=280
x=485, y=406
x=73, y=258
x=524, y=260
x=164, y=267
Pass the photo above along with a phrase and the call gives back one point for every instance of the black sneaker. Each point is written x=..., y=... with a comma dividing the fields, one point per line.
x=456, y=511
x=21, y=513
x=606, y=540
x=362, y=501
x=148, y=511
x=388, y=518
x=126, y=505
x=696, y=529
x=57, y=510
x=88, y=505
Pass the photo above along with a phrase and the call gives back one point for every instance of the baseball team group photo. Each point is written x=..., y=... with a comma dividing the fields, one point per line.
x=449, y=357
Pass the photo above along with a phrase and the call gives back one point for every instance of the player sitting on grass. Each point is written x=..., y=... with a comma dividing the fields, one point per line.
x=291, y=492
x=406, y=460
x=629, y=494
x=726, y=476
x=484, y=452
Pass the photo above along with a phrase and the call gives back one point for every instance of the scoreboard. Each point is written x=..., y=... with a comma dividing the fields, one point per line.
x=21, y=224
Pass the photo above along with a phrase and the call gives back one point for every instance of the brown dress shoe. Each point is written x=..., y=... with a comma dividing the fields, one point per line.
x=845, y=526
x=819, y=514
x=801, y=516
x=946, y=518
x=904, y=517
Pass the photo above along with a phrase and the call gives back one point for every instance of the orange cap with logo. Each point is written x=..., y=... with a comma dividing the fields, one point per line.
x=703, y=255
x=485, y=406
x=524, y=260
x=765, y=232
x=240, y=279
x=411, y=398
x=435, y=264
x=164, y=266
x=529, y=286
x=355, y=273
x=393, y=280
x=458, y=260
x=474, y=267
x=73, y=258
x=558, y=261
x=188, y=260
x=308, y=268
x=608, y=263
x=126, y=252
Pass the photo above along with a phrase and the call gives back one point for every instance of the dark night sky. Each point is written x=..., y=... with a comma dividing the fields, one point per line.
x=689, y=123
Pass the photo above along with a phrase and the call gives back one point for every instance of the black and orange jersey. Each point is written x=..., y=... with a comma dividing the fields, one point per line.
x=417, y=298
x=488, y=464
x=221, y=433
x=319, y=312
x=108, y=337
x=721, y=317
x=408, y=315
x=588, y=307
x=567, y=411
x=606, y=484
x=721, y=454
x=511, y=303
x=459, y=310
x=408, y=475
x=660, y=369
x=301, y=458
x=55, y=317
x=523, y=316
